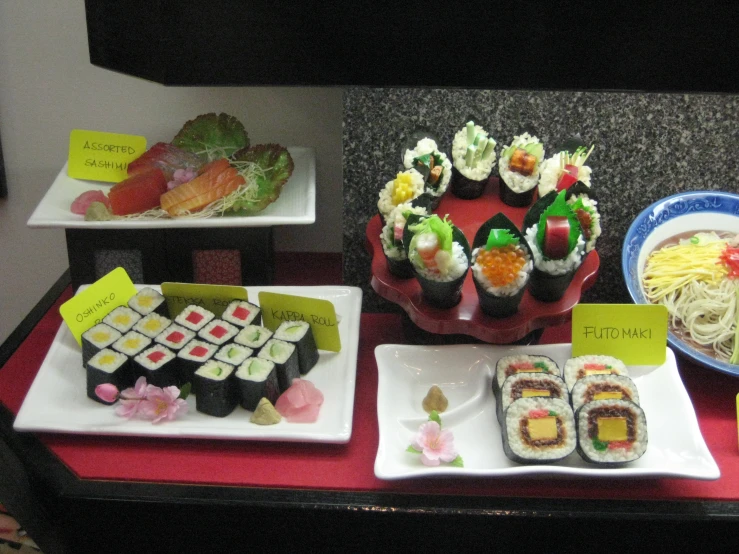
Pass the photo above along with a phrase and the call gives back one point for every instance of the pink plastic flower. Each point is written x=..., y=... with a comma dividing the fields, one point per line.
x=132, y=397
x=436, y=445
x=107, y=392
x=162, y=404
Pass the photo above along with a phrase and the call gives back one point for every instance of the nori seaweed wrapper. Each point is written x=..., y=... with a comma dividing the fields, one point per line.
x=534, y=376
x=251, y=392
x=215, y=397
x=582, y=412
x=307, y=350
x=402, y=269
x=531, y=460
x=287, y=370
x=534, y=213
x=549, y=288
x=121, y=378
x=512, y=198
x=466, y=188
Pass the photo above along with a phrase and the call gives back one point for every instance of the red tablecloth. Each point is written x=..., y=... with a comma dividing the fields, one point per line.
x=350, y=467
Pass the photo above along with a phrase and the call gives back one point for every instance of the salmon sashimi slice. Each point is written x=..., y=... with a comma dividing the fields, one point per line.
x=216, y=180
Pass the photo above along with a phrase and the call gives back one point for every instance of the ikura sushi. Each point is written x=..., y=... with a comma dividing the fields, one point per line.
x=611, y=431
x=131, y=343
x=501, y=266
x=406, y=187
x=539, y=430
x=391, y=239
x=557, y=244
x=563, y=170
x=158, y=365
x=147, y=301
x=218, y=332
x=529, y=385
x=107, y=367
x=174, y=337
x=192, y=356
x=433, y=165
x=242, y=313
x=256, y=378
x=215, y=390
x=522, y=363
x=285, y=357
x=96, y=338
x=152, y=325
x=519, y=170
x=300, y=334
x=122, y=319
x=473, y=156
x=582, y=366
x=138, y=193
x=439, y=254
x=253, y=336
x=233, y=354
x=603, y=387
x=194, y=317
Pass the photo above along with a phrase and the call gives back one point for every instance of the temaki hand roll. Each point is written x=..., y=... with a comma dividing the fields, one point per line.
x=439, y=254
x=473, y=156
x=563, y=170
x=391, y=239
x=427, y=159
x=501, y=266
x=407, y=187
x=519, y=170
x=583, y=203
x=558, y=247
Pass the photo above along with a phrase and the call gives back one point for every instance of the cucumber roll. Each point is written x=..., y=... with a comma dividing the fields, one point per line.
x=522, y=363
x=107, y=366
x=519, y=170
x=563, y=170
x=152, y=325
x=215, y=392
x=603, y=387
x=391, y=239
x=174, y=337
x=158, y=365
x=96, y=338
x=439, y=254
x=529, y=385
x=434, y=165
x=300, y=334
x=218, y=332
x=611, y=431
x=539, y=430
x=285, y=357
x=582, y=366
x=233, y=354
x=122, y=319
x=242, y=313
x=473, y=155
x=192, y=356
x=256, y=378
x=131, y=344
x=406, y=187
x=194, y=317
x=148, y=301
x=253, y=336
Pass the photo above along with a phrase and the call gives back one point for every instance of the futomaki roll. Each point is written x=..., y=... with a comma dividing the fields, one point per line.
x=300, y=334
x=529, y=385
x=611, y=431
x=192, y=356
x=256, y=378
x=122, y=319
x=96, y=338
x=285, y=357
x=519, y=170
x=215, y=390
x=522, y=363
x=233, y=354
x=148, y=301
x=218, y=332
x=436, y=169
x=473, y=157
x=158, y=364
x=194, y=317
x=593, y=364
x=603, y=387
x=107, y=366
x=131, y=343
x=253, y=336
x=152, y=325
x=405, y=188
x=539, y=430
x=175, y=337
x=242, y=313
x=391, y=238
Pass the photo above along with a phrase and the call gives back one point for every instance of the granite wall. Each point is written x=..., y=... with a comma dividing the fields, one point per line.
x=648, y=146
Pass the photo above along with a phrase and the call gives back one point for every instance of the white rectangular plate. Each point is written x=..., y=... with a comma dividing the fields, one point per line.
x=295, y=206
x=465, y=372
x=57, y=400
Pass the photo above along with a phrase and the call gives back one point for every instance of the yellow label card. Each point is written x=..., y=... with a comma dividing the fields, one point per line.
x=321, y=315
x=99, y=156
x=90, y=306
x=211, y=297
x=634, y=333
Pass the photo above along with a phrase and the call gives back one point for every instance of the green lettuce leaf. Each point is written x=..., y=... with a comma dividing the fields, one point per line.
x=212, y=136
x=276, y=166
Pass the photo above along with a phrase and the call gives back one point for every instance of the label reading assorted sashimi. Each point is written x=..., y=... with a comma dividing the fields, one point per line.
x=320, y=314
x=99, y=156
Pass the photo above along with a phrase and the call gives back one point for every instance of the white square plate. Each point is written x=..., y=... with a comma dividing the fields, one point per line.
x=465, y=372
x=295, y=206
x=57, y=400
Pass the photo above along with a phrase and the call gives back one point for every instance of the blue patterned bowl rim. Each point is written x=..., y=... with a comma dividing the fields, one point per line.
x=652, y=217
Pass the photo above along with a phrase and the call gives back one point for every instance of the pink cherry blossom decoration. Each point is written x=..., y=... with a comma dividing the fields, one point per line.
x=107, y=392
x=162, y=404
x=436, y=445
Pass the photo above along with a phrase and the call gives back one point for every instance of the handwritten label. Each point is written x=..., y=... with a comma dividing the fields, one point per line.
x=636, y=334
x=88, y=307
x=321, y=315
x=99, y=156
x=211, y=297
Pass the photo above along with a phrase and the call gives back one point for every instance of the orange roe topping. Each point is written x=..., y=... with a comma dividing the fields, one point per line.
x=501, y=265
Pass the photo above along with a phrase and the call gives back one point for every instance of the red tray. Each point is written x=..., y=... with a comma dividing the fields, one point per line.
x=466, y=318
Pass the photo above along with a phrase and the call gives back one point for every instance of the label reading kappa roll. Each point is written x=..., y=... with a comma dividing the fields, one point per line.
x=320, y=314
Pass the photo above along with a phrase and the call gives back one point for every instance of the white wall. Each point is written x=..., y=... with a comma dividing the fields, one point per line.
x=48, y=87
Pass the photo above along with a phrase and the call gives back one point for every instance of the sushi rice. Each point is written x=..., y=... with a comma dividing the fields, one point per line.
x=459, y=151
x=428, y=146
x=554, y=267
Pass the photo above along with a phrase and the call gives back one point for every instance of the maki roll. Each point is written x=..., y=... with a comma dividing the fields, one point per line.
x=433, y=165
x=194, y=317
x=300, y=334
x=406, y=187
x=218, y=332
x=148, y=301
x=539, y=430
x=107, y=367
x=439, y=254
x=233, y=354
x=253, y=336
x=603, y=387
x=519, y=170
x=192, y=356
x=522, y=363
x=256, y=378
x=152, y=325
x=215, y=391
x=285, y=357
x=174, y=337
x=131, y=343
x=96, y=338
x=529, y=385
x=611, y=431
x=242, y=313
x=558, y=247
x=582, y=366
x=122, y=319
x=501, y=266
x=563, y=170
x=473, y=156
x=158, y=364
x=391, y=239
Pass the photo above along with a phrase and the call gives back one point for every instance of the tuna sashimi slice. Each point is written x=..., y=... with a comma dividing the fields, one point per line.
x=216, y=180
x=166, y=157
x=138, y=193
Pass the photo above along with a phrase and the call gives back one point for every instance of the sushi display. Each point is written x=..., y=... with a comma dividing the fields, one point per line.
x=473, y=159
x=519, y=168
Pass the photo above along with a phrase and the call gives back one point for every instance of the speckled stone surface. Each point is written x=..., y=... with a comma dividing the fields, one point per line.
x=648, y=146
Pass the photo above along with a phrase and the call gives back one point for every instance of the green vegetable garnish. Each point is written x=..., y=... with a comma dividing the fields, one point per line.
x=212, y=136
x=600, y=445
x=441, y=228
x=434, y=416
x=498, y=238
x=559, y=208
x=267, y=167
